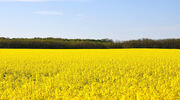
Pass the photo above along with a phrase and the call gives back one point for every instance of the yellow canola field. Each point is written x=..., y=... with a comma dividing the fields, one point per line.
x=106, y=74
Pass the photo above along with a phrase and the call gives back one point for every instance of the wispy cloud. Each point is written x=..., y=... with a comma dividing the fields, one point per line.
x=49, y=13
x=81, y=15
x=40, y=0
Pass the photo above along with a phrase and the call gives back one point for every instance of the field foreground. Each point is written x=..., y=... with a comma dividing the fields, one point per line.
x=127, y=74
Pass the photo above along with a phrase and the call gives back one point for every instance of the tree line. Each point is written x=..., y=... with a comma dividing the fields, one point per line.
x=60, y=43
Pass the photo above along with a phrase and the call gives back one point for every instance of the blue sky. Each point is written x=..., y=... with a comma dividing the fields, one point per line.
x=95, y=19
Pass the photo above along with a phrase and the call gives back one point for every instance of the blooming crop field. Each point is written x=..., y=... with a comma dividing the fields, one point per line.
x=127, y=74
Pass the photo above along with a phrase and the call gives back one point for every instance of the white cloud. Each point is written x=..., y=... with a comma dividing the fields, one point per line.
x=81, y=15
x=49, y=13
x=39, y=0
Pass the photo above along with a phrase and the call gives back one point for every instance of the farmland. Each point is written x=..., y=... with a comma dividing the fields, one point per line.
x=127, y=74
